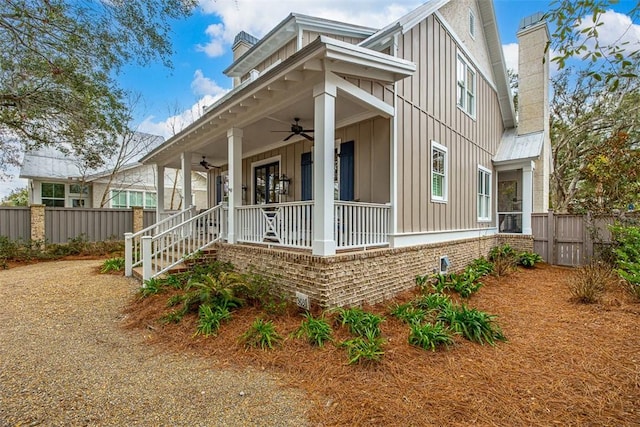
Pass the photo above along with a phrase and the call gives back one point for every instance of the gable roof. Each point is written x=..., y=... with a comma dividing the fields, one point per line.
x=50, y=162
x=287, y=30
x=383, y=38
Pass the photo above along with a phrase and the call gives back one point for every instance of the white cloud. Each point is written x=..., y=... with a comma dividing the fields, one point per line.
x=258, y=18
x=208, y=91
x=201, y=85
x=617, y=29
x=511, y=56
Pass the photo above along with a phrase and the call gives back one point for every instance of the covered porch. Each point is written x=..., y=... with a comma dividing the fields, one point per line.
x=322, y=187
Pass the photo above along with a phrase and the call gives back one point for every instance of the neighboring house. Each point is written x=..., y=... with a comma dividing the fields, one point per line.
x=400, y=141
x=57, y=179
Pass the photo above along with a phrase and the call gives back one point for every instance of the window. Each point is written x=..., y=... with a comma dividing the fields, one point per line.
x=484, y=194
x=472, y=24
x=78, y=195
x=52, y=194
x=466, y=94
x=126, y=199
x=438, y=172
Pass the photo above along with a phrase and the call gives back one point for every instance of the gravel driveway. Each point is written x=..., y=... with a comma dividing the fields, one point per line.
x=65, y=361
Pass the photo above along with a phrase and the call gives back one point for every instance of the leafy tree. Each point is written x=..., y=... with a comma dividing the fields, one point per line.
x=17, y=197
x=594, y=134
x=58, y=59
x=578, y=34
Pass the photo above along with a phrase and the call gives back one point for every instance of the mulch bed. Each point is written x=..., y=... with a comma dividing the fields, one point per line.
x=565, y=363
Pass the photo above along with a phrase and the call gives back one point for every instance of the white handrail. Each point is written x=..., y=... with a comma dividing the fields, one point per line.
x=133, y=242
x=170, y=247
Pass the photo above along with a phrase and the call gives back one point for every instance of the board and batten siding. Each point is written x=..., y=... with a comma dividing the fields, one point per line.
x=310, y=36
x=427, y=111
x=371, y=183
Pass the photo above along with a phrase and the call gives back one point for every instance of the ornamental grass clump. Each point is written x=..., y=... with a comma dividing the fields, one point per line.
x=430, y=336
x=588, y=283
x=365, y=349
x=316, y=331
x=473, y=324
x=359, y=321
x=261, y=334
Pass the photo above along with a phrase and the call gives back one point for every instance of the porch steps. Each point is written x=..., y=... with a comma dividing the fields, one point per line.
x=208, y=255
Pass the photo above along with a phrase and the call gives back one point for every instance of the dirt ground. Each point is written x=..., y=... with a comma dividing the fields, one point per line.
x=564, y=363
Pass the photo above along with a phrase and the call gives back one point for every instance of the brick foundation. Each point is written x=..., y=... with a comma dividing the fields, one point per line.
x=355, y=278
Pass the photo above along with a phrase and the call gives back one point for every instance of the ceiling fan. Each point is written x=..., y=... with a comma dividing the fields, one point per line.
x=206, y=164
x=296, y=129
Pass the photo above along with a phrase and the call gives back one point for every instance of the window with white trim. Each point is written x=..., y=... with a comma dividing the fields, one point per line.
x=472, y=24
x=438, y=172
x=52, y=194
x=484, y=194
x=78, y=195
x=130, y=198
x=466, y=87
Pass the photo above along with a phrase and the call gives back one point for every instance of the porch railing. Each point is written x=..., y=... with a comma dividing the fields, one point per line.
x=357, y=225
x=361, y=225
x=282, y=224
x=133, y=241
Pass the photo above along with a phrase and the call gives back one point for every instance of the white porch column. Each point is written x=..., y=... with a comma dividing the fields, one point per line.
x=159, y=192
x=527, y=197
x=324, y=127
x=186, y=180
x=234, y=138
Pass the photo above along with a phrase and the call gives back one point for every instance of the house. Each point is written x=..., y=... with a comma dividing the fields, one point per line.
x=58, y=179
x=356, y=158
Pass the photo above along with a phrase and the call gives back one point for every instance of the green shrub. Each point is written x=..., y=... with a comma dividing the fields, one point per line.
x=529, y=259
x=481, y=266
x=316, y=331
x=466, y=283
x=364, y=349
x=430, y=336
x=442, y=282
x=210, y=319
x=408, y=313
x=627, y=251
x=112, y=264
x=152, y=286
x=262, y=334
x=220, y=290
x=589, y=281
x=502, y=251
x=435, y=301
x=359, y=321
x=473, y=324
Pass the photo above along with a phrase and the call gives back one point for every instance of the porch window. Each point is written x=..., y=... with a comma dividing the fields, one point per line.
x=484, y=194
x=52, y=194
x=466, y=93
x=266, y=183
x=438, y=172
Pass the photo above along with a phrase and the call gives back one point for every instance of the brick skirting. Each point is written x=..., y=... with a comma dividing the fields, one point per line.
x=354, y=278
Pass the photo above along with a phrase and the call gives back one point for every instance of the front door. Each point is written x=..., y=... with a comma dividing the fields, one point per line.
x=265, y=183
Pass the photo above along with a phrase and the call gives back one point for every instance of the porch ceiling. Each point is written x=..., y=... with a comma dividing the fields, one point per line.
x=271, y=101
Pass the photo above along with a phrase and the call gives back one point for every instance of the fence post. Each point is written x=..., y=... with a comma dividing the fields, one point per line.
x=146, y=259
x=588, y=230
x=128, y=254
x=138, y=218
x=551, y=237
x=38, y=232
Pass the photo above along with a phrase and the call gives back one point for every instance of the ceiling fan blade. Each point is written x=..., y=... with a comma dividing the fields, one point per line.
x=286, y=131
x=307, y=136
x=289, y=137
x=307, y=130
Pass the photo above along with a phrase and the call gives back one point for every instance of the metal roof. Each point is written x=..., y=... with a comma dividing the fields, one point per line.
x=514, y=147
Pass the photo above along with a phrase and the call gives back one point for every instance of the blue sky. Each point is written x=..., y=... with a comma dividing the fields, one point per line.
x=202, y=44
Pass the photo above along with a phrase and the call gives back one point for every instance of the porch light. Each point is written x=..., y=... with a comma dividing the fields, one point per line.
x=284, y=184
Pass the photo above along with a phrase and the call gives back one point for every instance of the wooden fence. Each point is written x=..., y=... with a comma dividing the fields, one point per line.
x=59, y=225
x=570, y=240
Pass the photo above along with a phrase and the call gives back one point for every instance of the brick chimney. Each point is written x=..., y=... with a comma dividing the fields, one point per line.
x=241, y=44
x=533, y=99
